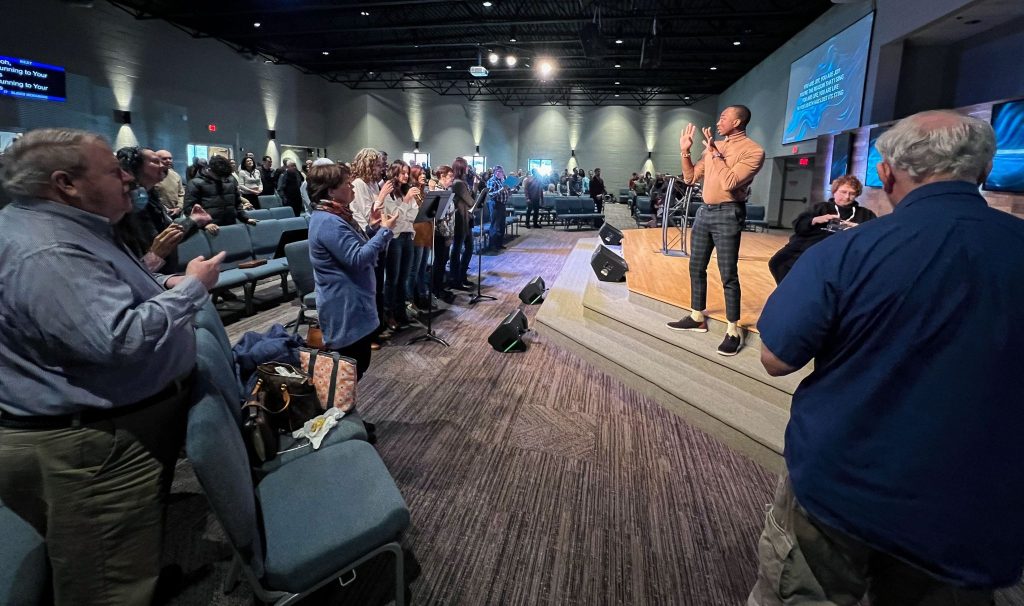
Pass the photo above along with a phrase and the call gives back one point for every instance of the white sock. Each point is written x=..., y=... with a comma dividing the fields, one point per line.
x=697, y=316
x=732, y=330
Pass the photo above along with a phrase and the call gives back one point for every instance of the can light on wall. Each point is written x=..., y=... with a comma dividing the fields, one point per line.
x=478, y=149
x=271, y=134
x=122, y=116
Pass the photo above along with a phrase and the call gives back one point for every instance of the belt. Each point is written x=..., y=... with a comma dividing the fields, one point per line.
x=717, y=205
x=92, y=415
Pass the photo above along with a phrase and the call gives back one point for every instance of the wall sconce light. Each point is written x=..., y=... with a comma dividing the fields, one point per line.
x=417, y=147
x=122, y=116
x=478, y=149
x=271, y=133
x=648, y=154
x=574, y=153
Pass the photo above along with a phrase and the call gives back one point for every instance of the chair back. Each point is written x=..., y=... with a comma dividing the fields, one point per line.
x=208, y=319
x=189, y=249
x=234, y=240
x=215, y=448
x=271, y=201
x=643, y=204
x=24, y=566
x=260, y=214
x=292, y=223
x=282, y=212
x=300, y=266
x=755, y=212
x=265, y=236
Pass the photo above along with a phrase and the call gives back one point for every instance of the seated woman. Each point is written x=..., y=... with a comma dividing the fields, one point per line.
x=821, y=221
x=344, y=257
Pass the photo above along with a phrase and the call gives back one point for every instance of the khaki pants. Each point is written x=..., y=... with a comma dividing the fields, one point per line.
x=97, y=493
x=801, y=561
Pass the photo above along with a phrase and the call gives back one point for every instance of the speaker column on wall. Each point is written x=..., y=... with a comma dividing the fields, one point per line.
x=608, y=266
x=508, y=335
x=533, y=292
x=610, y=235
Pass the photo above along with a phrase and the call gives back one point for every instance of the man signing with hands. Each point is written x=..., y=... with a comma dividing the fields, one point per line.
x=727, y=167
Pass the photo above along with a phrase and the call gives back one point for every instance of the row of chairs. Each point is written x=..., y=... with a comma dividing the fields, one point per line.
x=243, y=243
x=565, y=210
x=643, y=212
x=268, y=512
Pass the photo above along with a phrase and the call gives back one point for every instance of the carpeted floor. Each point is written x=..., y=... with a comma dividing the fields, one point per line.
x=532, y=478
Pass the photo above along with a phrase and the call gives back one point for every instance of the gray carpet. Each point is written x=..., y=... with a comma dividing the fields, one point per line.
x=532, y=478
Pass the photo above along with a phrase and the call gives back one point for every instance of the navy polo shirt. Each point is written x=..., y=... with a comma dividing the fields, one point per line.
x=909, y=434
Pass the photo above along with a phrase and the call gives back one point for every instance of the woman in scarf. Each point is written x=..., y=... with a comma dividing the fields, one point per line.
x=344, y=256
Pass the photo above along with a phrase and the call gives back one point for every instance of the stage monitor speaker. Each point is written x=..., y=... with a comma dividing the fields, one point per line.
x=508, y=336
x=610, y=235
x=533, y=292
x=608, y=266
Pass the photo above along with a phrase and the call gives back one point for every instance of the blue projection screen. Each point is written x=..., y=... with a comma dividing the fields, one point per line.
x=871, y=178
x=826, y=86
x=1008, y=165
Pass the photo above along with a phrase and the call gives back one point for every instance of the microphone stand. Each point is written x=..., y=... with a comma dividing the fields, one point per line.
x=479, y=296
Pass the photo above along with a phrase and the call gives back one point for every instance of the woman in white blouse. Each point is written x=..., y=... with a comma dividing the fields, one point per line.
x=250, y=183
x=401, y=200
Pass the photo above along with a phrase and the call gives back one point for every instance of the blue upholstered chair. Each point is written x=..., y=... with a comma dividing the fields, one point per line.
x=24, y=567
x=308, y=522
x=301, y=269
x=260, y=214
x=271, y=201
x=282, y=212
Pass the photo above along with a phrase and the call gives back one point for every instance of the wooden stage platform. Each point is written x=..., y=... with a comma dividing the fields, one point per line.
x=667, y=279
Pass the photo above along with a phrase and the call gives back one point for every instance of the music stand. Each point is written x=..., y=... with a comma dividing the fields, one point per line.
x=667, y=212
x=436, y=204
x=481, y=200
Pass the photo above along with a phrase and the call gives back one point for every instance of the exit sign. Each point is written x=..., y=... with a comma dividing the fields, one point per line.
x=804, y=161
x=211, y=127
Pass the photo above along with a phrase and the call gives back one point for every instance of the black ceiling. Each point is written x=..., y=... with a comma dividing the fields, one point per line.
x=666, y=54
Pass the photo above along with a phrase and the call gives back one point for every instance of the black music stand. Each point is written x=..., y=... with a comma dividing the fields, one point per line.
x=481, y=200
x=436, y=204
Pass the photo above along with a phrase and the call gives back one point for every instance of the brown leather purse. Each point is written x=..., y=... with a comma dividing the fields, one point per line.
x=283, y=399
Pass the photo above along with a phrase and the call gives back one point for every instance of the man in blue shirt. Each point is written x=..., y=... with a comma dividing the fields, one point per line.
x=904, y=445
x=94, y=356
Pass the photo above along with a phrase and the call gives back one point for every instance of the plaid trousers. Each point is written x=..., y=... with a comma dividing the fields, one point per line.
x=717, y=226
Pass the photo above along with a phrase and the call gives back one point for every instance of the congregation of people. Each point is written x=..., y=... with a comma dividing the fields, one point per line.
x=878, y=498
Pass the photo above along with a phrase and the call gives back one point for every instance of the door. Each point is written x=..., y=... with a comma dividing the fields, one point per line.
x=796, y=190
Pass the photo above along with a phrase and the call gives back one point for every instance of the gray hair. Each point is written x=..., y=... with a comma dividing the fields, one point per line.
x=942, y=143
x=29, y=161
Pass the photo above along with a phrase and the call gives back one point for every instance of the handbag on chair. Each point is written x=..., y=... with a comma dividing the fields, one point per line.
x=282, y=401
x=333, y=375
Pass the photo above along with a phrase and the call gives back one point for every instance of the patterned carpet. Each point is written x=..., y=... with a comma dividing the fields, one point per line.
x=532, y=478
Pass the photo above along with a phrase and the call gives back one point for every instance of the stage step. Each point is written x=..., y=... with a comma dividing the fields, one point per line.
x=731, y=398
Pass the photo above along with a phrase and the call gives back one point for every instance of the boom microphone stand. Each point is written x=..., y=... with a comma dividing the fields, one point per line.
x=481, y=200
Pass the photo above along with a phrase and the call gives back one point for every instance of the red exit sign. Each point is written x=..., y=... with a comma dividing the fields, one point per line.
x=804, y=161
x=211, y=127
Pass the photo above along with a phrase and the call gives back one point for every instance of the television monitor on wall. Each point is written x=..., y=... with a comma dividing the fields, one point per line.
x=1008, y=165
x=32, y=80
x=826, y=86
x=871, y=178
x=840, y=165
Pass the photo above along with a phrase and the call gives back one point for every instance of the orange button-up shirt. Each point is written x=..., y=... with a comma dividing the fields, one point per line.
x=727, y=179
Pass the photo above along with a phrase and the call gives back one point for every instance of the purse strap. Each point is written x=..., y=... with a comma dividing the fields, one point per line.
x=254, y=402
x=336, y=357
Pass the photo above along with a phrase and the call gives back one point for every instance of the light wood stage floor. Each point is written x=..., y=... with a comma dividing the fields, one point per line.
x=667, y=279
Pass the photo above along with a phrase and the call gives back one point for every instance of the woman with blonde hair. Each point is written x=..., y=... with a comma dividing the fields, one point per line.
x=367, y=202
x=839, y=213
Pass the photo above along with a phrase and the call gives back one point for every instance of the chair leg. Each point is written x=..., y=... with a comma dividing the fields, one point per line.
x=399, y=574
x=284, y=285
x=249, y=290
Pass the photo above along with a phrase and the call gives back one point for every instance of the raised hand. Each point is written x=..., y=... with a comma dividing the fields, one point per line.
x=206, y=270
x=389, y=221
x=411, y=194
x=385, y=190
x=165, y=241
x=686, y=138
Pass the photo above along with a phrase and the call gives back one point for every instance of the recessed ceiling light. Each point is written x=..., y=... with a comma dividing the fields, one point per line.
x=687, y=97
x=512, y=39
x=618, y=41
x=511, y=60
x=370, y=73
x=545, y=68
x=617, y=65
x=488, y=4
x=447, y=66
x=493, y=58
x=325, y=53
x=616, y=81
x=736, y=43
x=616, y=94
x=713, y=68
x=256, y=24
x=364, y=13
x=268, y=60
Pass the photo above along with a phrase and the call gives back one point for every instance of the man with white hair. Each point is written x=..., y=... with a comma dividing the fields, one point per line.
x=904, y=445
x=95, y=357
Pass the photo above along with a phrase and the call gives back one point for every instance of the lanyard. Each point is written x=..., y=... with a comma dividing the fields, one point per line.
x=841, y=214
